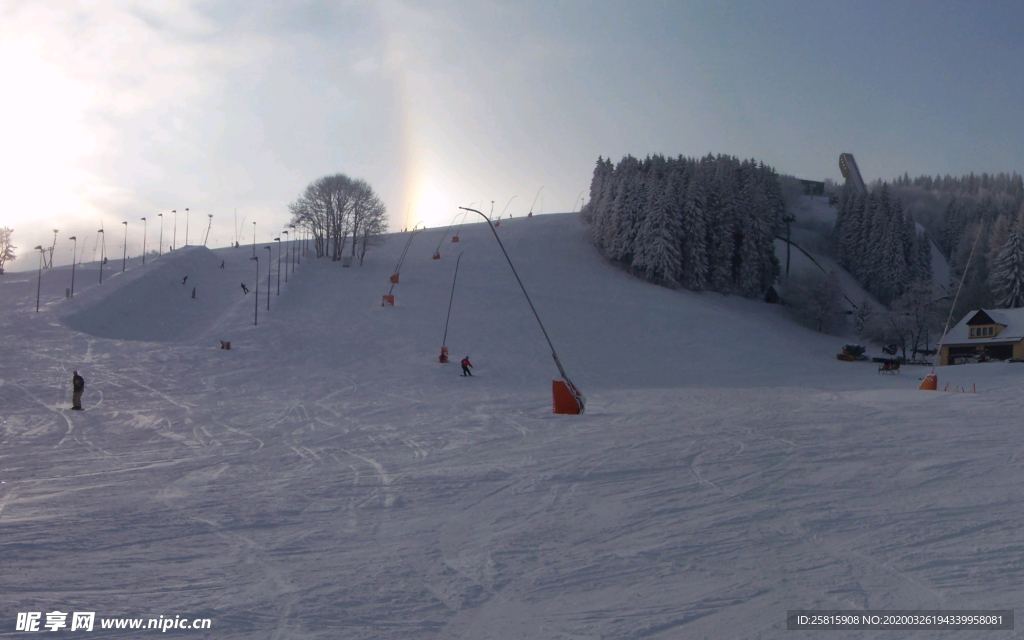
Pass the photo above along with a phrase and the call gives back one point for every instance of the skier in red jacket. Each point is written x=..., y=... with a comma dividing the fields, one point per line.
x=466, y=366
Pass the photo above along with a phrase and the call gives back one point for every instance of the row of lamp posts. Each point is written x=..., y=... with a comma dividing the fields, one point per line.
x=294, y=256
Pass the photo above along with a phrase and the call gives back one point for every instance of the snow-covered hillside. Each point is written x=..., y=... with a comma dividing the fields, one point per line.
x=327, y=478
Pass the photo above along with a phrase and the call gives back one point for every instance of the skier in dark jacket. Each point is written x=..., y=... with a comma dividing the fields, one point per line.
x=466, y=366
x=245, y=289
x=184, y=280
x=193, y=292
x=77, y=386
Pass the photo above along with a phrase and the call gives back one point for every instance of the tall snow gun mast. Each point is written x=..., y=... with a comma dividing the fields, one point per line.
x=851, y=172
x=567, y=398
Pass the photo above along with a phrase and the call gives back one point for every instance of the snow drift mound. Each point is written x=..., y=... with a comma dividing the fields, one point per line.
x=151, y=303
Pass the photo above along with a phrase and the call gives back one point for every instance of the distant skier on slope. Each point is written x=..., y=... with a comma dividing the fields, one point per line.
x=245, y=289
x=77, y=386
x=221, y=264
x=193, y=292
x=184, y=280
x=466, y=366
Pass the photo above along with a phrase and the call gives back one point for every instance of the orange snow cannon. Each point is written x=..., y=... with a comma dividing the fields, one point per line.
x=566, y=399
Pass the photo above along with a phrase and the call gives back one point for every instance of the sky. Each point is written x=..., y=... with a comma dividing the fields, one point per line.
x=115, y=111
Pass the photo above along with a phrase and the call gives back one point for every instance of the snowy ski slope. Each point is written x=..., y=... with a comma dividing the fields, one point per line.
x=326, y=478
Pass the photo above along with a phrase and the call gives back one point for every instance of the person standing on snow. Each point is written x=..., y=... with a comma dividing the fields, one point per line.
x=193, y=292
x=245, y=289
x=184, y=280
x=77, y=386
x=466, y=366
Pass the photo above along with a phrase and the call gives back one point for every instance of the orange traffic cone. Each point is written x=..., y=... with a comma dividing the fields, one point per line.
x=930, y=383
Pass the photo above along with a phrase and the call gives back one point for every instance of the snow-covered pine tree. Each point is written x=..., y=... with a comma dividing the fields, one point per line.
x=766, y=221
x=693, y=258
x=603, y=219
x=720, y=226
x=894, y=274
x=923, y=246
x=1007, y=276
x=657, y=256
x=859, y=236
x=596, y=184
x=618, y=230
x=748, y=276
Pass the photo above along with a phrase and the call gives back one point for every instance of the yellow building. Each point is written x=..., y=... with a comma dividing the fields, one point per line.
x=985, y=335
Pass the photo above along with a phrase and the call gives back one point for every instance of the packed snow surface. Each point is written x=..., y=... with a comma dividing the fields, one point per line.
x=327, y=478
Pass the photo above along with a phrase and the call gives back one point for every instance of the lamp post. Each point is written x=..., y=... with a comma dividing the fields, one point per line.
x=160, y=251
x=288, y=244
x=270, y=254
x=278, y=239
x=295, y=238
x=39, y=283
x=208, y=226
x=124, y=257
x=254, y=243
x=145, y=225
x=578, y=198
x=103, y=256
x=174, y=239
x=74, y=252
x=186, y=226
x=256, y=290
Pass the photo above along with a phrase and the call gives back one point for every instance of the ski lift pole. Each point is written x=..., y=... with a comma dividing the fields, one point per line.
x=444, y=341
x=462, y=223
x=398, y=268
x=401, y=258
x=558, y=363
x=440, y=242
x=956, y=297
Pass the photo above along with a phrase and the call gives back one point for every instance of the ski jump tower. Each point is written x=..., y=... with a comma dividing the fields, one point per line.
x=850, y=171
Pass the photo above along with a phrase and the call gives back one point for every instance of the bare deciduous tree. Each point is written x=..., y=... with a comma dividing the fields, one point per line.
x=6, y=248
x=335, y=206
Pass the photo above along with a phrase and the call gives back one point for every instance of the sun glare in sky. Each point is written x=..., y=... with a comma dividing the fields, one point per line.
x=43, y=135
